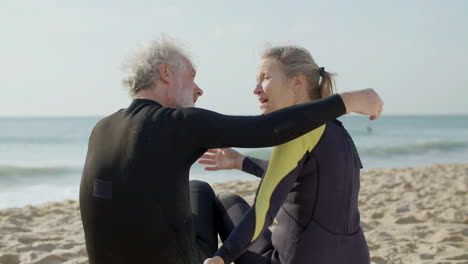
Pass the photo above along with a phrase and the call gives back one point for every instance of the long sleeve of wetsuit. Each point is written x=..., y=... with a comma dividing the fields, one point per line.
x=285, y=165
x=254, y=166
x=204, y=129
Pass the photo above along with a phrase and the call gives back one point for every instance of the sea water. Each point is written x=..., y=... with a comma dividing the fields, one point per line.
x=41, y=159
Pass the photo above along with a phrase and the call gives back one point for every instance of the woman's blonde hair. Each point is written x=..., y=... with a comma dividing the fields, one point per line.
x=297, y=60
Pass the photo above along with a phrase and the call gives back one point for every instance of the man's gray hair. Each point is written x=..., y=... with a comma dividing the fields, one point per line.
x=143, y=65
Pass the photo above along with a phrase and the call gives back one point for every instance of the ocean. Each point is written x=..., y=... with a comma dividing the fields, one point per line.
x=41, y=159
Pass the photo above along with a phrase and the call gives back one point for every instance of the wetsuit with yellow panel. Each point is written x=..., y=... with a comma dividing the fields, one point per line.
x=311, y=186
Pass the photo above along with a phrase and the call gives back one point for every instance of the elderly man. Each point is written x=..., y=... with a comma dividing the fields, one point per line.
x=135, y=196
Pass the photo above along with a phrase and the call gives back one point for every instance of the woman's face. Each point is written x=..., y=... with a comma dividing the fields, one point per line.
x=273, y=89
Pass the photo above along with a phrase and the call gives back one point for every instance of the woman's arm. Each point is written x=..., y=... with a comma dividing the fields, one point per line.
x=255, y=166
x=228, y=159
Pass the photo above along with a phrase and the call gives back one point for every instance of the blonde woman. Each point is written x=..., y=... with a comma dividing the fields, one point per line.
x=311, y=184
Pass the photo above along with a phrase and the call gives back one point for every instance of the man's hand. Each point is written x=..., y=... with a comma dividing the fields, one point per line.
x=366, y=102
x=222, y=159
x=215, y=260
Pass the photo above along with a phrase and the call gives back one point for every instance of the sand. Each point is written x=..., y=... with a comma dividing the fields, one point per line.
x=409, y=215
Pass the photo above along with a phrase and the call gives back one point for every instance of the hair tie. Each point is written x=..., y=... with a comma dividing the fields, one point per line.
x=321, y=71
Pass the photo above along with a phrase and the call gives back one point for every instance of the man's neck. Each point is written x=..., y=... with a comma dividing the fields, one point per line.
x=152, y=94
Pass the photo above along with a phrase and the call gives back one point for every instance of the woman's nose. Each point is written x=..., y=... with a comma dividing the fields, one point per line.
x=258, y=89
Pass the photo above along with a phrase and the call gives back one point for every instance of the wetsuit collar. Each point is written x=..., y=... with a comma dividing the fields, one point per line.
x=139, y=101
x=338, y=122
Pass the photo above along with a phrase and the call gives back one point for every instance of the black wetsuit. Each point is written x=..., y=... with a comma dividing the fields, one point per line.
x=134, y=194
x=311, y=185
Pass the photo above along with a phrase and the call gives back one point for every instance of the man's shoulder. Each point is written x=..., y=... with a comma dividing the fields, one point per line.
x=154, y=114
x=110, y=117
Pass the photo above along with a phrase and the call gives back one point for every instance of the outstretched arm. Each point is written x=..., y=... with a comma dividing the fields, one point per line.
x=213, y=130
x=228, y=159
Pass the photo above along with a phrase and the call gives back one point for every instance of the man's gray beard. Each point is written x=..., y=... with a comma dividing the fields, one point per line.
x=184, y=102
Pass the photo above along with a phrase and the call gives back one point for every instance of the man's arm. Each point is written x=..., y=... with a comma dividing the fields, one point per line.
x=206, y=129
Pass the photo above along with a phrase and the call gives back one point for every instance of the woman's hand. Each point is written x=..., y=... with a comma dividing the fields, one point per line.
x=222, y=159
x=215, y=260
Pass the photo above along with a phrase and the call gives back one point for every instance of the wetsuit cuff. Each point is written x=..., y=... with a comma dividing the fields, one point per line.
x=254, y=166
x=222, y=254
x=247, y=164
x=336, y=99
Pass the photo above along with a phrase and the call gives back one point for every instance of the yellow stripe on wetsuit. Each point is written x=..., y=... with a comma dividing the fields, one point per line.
x=283, y=160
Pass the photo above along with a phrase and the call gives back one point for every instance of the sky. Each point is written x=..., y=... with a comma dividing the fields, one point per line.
x=64, y=58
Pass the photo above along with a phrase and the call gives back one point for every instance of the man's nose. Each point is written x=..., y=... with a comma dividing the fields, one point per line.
x=198, y=91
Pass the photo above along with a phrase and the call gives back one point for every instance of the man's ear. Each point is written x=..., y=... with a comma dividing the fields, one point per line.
x=164, y=73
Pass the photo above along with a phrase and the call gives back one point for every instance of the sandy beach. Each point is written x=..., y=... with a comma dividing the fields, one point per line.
x=409, y=215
